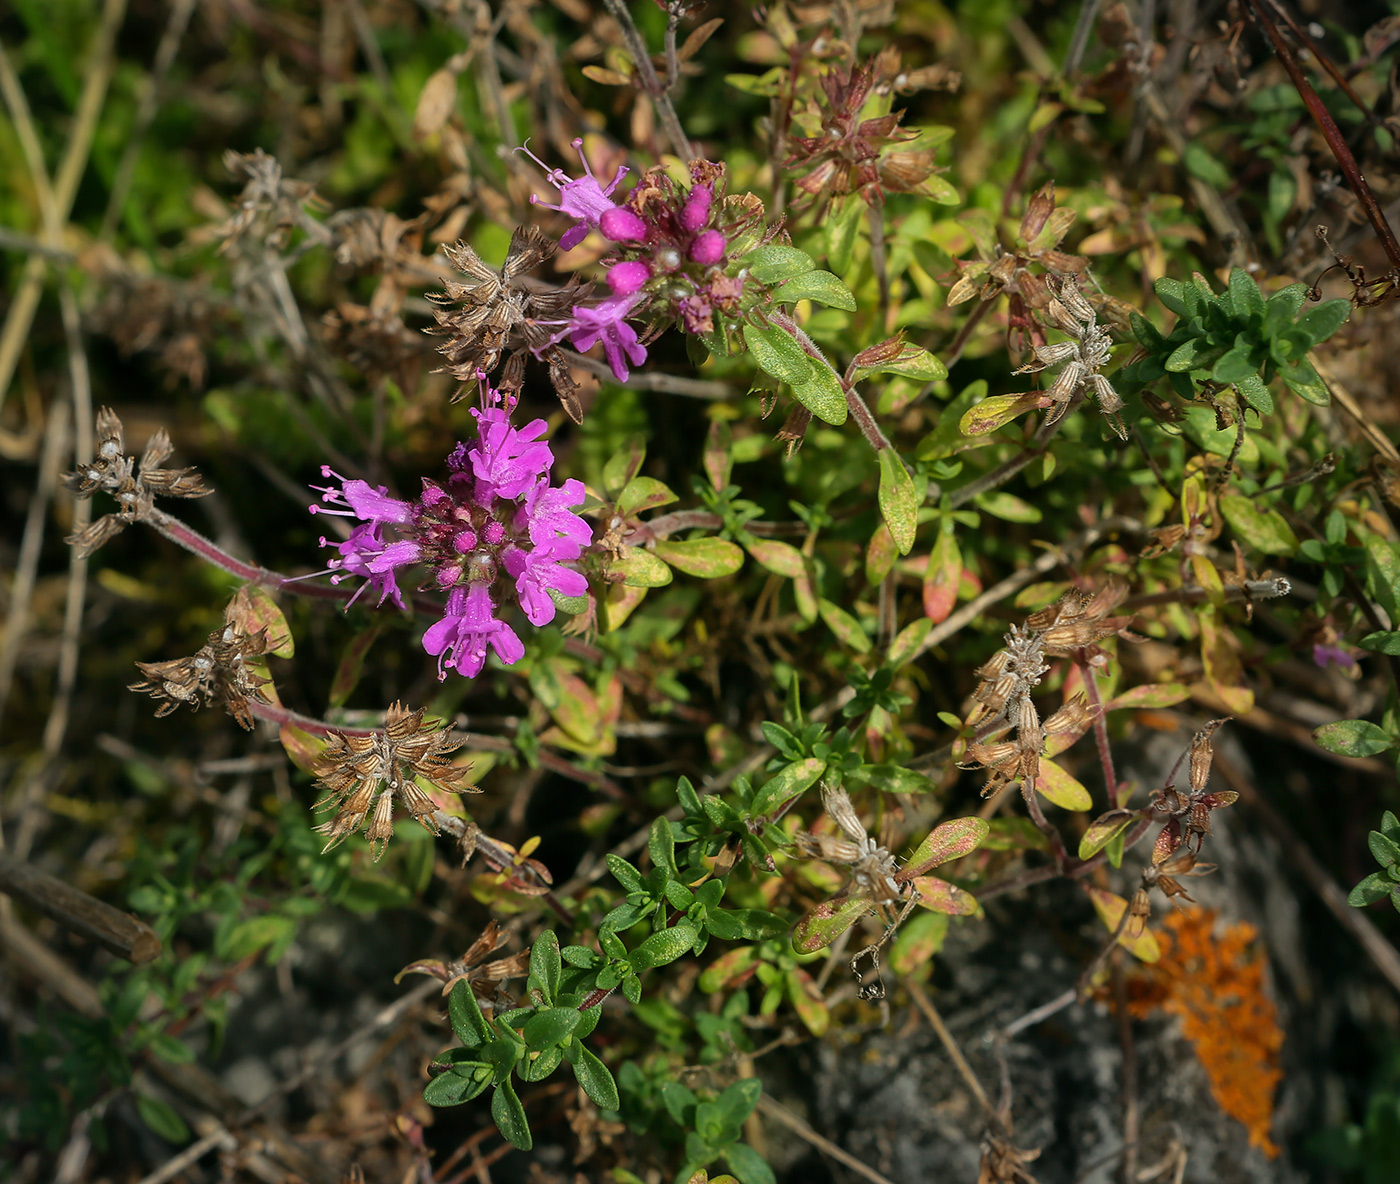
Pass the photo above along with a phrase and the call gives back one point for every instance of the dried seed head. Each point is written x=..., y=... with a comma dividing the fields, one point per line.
x=363, y=772
x=134, y=486
x=220, y=670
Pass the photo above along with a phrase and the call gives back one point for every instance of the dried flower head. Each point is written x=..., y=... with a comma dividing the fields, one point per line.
x=1083, y=356
x=135, y=485
x=271, y=206
x=364, y=773
x=499, y=314
x=872, y=866
x=221, y=670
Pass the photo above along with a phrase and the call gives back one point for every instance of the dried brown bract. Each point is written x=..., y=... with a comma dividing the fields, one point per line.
x=271, y=206
x=500, y=313
x=1070, y=627
x=473, y=965
x=364, y=774
x=221, y=671
x=1083, y=356
x=134, y=484
x=872, y=866
x=1000, y=270
x=1188, y=814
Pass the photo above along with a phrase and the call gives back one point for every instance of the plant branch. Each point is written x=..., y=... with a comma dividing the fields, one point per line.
x=652, y=86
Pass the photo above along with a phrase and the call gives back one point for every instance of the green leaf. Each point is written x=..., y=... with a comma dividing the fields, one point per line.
x=1056, y=785
x=824, y=923
x=737, y=1101
x=920, y=938
x=899, y=504
x=842, y=226
x=545, y=965
x=547, y=1028
x=787, y=783
x=1153, y=694
x=1383, y=575
x=845, y=626
x=821, y=286
x=1321, y=322
x=510, y=1116
x=912, y=361
x=758, y=924
x=1255, y=392
x=947, y=841
x=1353, y=737
x=171, y=1050
x=666, y=946
x=778, y=354
x=625, y=873
x=596, y=1080
x=747, y=1165
x=464, y=1081
x=162, y=1120
x=710, y=559
x=775, y=263
x=1234, y=366
x=1374, y=887
x=782, y=559
x=1264, y=530
x=1382, y=643
x=1244, y=293
x=661, y=845
x=641, y=568
x=1103, y=830
x=1007, y=506
x=643, y=493
x=894, y=779
x=465, y=1013
x=822, y=394
x=1305, y=382
x=907, y=642
x=1172, y=293
x=1386, y=851
x=990, y=414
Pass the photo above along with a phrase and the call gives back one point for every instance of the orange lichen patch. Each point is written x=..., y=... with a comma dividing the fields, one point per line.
x=1215, y=982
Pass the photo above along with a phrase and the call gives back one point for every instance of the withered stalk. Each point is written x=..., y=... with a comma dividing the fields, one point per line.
x=77, y=911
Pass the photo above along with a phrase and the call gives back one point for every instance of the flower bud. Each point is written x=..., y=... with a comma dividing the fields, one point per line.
x=696, y=211
x=621, y=225
x=708, y=248
x=626, y=278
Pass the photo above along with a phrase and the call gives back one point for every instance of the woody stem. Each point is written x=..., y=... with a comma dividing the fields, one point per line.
x=1110, y=778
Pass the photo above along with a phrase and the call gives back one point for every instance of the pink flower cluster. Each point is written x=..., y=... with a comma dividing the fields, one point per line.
x=496, y=533
x=671, y=254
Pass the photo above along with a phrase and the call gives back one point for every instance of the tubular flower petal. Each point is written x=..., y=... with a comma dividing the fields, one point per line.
x=582, y=198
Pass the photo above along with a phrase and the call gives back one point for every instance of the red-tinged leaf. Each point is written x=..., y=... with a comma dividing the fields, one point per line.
x=1056, y=744
x=718, y=457
x=920, y=938
x=618, y=604
x=709, y=559
x=302, y=747
x=845, y=626
x=729, y=970
x=824, y=923
x=939, y=896
x=998, y=411
x=352, y=662
x=1103, y=830
x=254, y=610
x=879, y=555
x=947, y=841
x=942, y=575
x=907, y=642
x=1055, y=785
x=1159, y=694
x=780, y=558
x=807, y=1002
x=1110, y=908
x=643, y=493
x=640, y=568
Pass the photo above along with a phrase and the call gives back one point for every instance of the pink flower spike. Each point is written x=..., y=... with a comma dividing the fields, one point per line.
x=536, y=572
x=626, y=278
x=468, y=626
x=582, y=198
x=708, y=249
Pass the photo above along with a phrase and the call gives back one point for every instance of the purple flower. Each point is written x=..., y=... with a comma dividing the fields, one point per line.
x=507, y=459
x=696, y=211
x=495, y=534
x=622, y=225
x=365, y=553
x=605, y=322
x=1333, y=655
x=583, y=198
x=467, y=628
